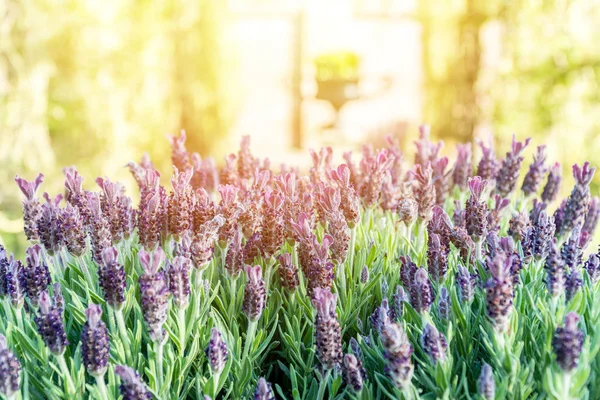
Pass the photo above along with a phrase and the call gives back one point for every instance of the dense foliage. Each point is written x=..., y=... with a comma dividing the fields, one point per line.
x=364, y=280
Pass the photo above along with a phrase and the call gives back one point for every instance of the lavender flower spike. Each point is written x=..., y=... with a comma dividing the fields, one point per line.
x=578, y=202
x=552, y=187
x=112, y=279
x=555, y=271
x=568, y=342
x=254, y=294
x=263, y=390
x=488, y=165
x=421, y=293
x=154, y=293
x=31, y=207
x=434, y=343
x=50, y=325
x=537, y=170
x=95, y=345
x=444, y=304
x=132, y=387
x=15, y=283
x=462, y=168
x=217, y=352
x=352, y=372
x=592, y=266
x=500, y=291
x=328, y=333
x=466, y=284
x=36, y=276
x=397, y=353
x=476, y=210
x=10, y=371
x=179, y=281
x=506, y=179
x=486, y=386
x=288, y=272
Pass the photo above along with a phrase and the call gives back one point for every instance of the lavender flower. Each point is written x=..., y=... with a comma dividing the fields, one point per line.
x=493, y=217
x=462, y=167
x=15, y=283
x=31, y=207
x=180, y=204
x=499, y=292
x=380, y=316
x=427, y=152
x=592, y=267
x=100, y=235
x=579, y=200
x=476, y=210
x=116, y=210
x=150, y=211
x=592, y=217
x=112, y=279
x=254, y=294
x=552, y=187
x=272, y=227
x=568, y=343
x=36, y=275
x=288, y=272
x=486, y=385
x=329, y=201
x=154, y=293
x=178, y=276
x=132, y=387
x=398, y=300
x=444, y=304
x=95, y=345
x=437, y=260
x=349, y=203
x=573, y=284
x=10, y=371
x=424, y=191
x=408, y=209
x=539, y=236
x=328, y=333
x=434, y=344
x=4, y=265
x=397, y=353
x=488, y=165
x=466, y=284
x=217, y=352
x=364, y=274
x=441, y=180
x=179, y=155
x=263, y=390
x=506, y=180
x=571, y=251
x=245, y=159
x=352, y=372
x=555, y=271
x=421, y=293
x=518, y=226
x=537, y=170
x=407, y=271
x=459, y=214
x=73, y=230
x=49, y=228
x=50, y=326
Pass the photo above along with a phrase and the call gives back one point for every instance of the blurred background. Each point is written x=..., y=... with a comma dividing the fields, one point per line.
x=97, y=84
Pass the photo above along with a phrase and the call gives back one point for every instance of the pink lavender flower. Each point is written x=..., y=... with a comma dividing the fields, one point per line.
x=537, y=170
x=506, y=180
x=349, y=203
x=36, y=275
x=272, y=231
x=73, y=230
x=476, y=210
x=205, y=175
x=330, y=202
x=50, y=325
x=466, y=284
x=178, y=276
x=202, y=246
x=568, y=343
x=31, y=207
x=434, y=344
x=424, y=191
x=116, y=209
x=397, y=353
x=132, y=387
x=579, y=200
x=427, y=152
x=179, y=155
x=180, y=204
x=441, y=179
x=154, y=293
x=288, y=272
x=229, y=211
x=328, y=333
x=462, y=167
x=204, y=209
x=555, y=271
x=493, y=217
x=421, y=293
x=488, y=165
x=263, y=390
x=49, y=228
x=499, y=291
x=245, y=159
x=552, y=187
x=408, y=209
x=437, y=261
x=95, y=345
x=352, y=372
x=486, y=385
x=10, y=371
x=217, y=352
x=255, y=294
x=373, y=170
x=150, y=211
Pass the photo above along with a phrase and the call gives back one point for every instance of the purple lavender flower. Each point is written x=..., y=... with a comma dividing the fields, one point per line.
x=555, y=271
x=95, y=345
x=288, y=272
x=539, y=236
x=75, y=195
x=579, y=200
x=154, y=293
x=592, y=266
x=506, y=180
x=398, y=300
x=486, y=385
x=397, y=353
x=476, y=210
x=36, y=275
x=568, y=343
x=329, y=201
x=462, y=167
x=518, y=226
x=4, y=265
x=328, y=333
x=49, y=232
x=424, y=191
x=407, y=271
x=50, y=325
x=537, y=170
x=434, y=344
x=421, y=293
x=488, y=165
x=380, y=316
x=132, y=387
x=263, y=390
x=31, y=207
x=499, y=291
x=571, y=251
x=178, y=276
x=10, y=371
x=441, y=180
x=254, y=294
x=112, y=279
x=352, y=372
x=592, y=217
x=272, y=227
x=217, y=352
x=552, y=187
x=437, y=261
x=573, y=284
x=364, y=274
x=493, y=217
x=73, y=230
x=15, y=283
x=444, y=304
x=459, y=214
x=100, y=235
x=466, y=284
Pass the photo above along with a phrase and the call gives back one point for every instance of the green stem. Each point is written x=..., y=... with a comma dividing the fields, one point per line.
x=181, y=329
x=101, y=387
x=216, y=378
x=66, y=374
x=249, y=338
x=123, y=332
x=159, y=364
x=566, y=386
x=351, y=250
x=323, y=385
